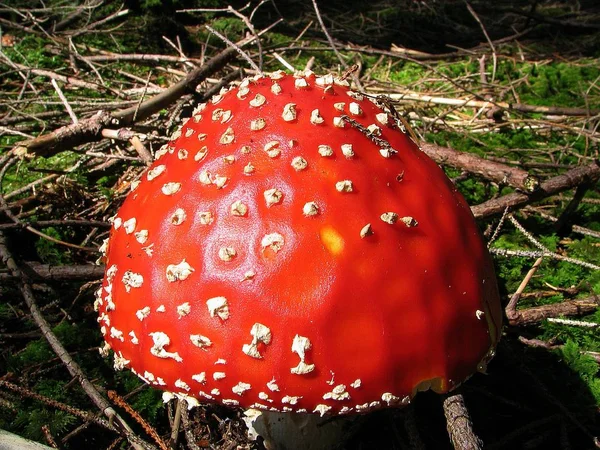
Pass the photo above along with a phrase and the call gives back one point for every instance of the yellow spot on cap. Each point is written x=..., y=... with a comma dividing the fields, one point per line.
x=332, y=240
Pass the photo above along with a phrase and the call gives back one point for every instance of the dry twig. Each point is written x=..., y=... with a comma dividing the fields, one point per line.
x=490, y=170
x=568, y=308
x=459, y=424
x=62, y=353
x=585, y=174
x=120, y=402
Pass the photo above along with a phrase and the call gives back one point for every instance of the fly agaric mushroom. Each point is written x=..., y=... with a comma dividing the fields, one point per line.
x=293, y=250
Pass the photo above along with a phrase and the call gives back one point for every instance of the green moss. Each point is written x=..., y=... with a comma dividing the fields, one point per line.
x=73, y=335
x=29, y=423
x=50, y=252
x=473, y=191
x=407, y=73
x=558, y=84
x=29, y=171
x=36, y=352
x=147, y=402
x=55, y=389
x=32, y=51
x=584, y=366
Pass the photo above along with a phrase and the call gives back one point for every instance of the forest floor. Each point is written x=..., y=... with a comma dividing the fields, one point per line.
x=505, y=98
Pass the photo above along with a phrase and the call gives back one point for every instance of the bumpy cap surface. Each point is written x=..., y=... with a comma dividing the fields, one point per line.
x=292, y=249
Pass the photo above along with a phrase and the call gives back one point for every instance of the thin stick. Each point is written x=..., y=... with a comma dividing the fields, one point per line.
x=332, y=44
x=15, y=132
x=286, y=64
x=189, y=435
x=540, y=253
x=61, y=95
x=511, y=308
x=73, y=47
x=545, y=250
x=115, y=57
x=48, y=436
x=574, y=323
x=141, y=150
x=253, y=31
x=65, y=79
x=241, y=52
x=37, y=271
x=575, y=228
x=119, y=13
x=520, y=107
x=527, y=234
x=120, y=401
x=176, y=48
x=487, y=37
x=84, y=415
x=197, y=75
x=88, y=130
x=62, y=353
x=6, y=209
x=327, y=35
x=498, y=228
x=176, y=424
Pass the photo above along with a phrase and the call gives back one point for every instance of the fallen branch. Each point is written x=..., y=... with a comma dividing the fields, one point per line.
x=58, y=77
x=569, y=308
x=47, y=272
x=89, y=130
x=84, y=415
x=520, y=107
x=490, y=170
x=185, y=86
x=458, y=423
x=107, y=57
x=120, y=401
x=53, y=223
x=573, y=178
x=62, y=353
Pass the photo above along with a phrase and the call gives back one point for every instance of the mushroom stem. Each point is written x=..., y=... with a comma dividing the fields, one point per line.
x=458, y=423
x=296, y=431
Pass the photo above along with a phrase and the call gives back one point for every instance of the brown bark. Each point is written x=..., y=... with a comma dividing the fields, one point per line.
x=573, y=178
x=459, y=424
x=87, y=130
x=90, y=129
x=490, y=170
x=531, y=316
x=185, y=86
x=37, y=271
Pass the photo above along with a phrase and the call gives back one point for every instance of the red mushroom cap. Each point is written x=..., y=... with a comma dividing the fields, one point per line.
x=293, y=250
